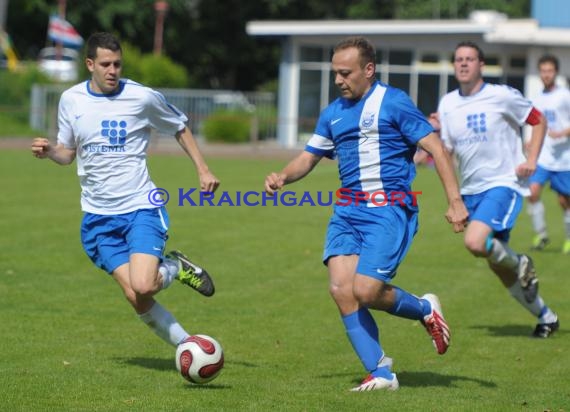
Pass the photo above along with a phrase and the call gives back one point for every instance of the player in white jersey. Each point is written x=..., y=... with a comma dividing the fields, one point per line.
x=374, y=130
x=554, y=159
x=105, y=123
x=481, y=124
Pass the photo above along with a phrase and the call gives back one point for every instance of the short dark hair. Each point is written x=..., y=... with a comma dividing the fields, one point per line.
x=549, y=58
x=101, y=40
x=480, y=54
x=365, y=49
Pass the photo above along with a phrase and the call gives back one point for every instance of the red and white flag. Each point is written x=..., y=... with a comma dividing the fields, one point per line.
x=61, y=31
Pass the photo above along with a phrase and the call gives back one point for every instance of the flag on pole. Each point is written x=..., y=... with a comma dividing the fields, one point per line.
x=61, y=31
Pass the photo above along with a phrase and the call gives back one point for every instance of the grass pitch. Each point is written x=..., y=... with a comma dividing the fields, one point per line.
x=70, y=342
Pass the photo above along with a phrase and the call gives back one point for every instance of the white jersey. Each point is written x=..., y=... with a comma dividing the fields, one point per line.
x=111, y=134
x=555, y=106
x=484, y=132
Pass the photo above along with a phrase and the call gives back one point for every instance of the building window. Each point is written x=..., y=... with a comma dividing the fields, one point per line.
x=428, y=93
x=400, y=57
x=518, y=62
x=517, y=82
x=309, y=100
x=400, y=80
x=311, y=54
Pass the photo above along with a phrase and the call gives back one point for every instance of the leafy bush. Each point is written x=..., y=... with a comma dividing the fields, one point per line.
x=230, y=126
x=15, y=90
x=15, y=87
x=132, y=58
x=151, y=70
x=161, y=71
x=267, y=121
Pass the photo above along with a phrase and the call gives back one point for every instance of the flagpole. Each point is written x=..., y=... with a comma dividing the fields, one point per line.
x=160, y=7
x=61, y=6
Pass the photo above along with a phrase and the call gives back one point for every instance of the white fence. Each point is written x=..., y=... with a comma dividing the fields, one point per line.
x=196, y=104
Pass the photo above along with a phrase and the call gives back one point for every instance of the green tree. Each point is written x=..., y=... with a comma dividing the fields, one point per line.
x=208, y=37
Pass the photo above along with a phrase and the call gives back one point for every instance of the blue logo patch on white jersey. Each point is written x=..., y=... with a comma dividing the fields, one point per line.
x=477, y=122
x=116, y=131
x=550, y=115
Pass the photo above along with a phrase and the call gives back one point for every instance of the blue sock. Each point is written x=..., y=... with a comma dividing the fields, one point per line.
x=363, y=335
x=409, y=306
x=383, y=372
x=368, y=323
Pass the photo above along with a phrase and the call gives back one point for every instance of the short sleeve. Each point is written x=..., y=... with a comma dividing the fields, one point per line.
x=65, y=131
x=163, y=116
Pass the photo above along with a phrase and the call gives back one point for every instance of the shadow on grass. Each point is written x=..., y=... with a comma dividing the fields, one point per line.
x=512, y=330
x=168, y=364
x=205, y=387
x=423, y=379
x=149, y=363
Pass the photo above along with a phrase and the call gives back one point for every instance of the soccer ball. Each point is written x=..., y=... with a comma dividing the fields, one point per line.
x=199, y=358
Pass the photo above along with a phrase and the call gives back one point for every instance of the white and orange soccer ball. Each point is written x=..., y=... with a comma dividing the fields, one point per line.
x=199, y=358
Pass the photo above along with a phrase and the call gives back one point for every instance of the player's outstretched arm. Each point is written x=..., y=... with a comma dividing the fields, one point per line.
x=297, y=168
x=457, y=212
x=208, y=182
x=42, y=149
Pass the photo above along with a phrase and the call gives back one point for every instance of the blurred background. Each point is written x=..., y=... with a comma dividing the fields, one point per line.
x=259, y=70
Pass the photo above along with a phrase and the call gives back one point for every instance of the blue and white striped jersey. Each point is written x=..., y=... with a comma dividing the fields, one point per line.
x=111, y=134
x=374, y=140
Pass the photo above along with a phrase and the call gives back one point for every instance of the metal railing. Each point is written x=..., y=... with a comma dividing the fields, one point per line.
x=195, y=103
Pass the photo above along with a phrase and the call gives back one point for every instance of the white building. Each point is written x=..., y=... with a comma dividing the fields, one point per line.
x=413, y=55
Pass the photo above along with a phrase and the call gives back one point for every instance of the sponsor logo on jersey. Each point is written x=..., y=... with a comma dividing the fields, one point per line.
x=477, y=123
x=116, y=132
x=550, y=115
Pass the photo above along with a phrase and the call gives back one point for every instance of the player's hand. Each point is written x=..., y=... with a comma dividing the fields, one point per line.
x=40, y=147
x=274, y=182
x=208, y=182
x=457, y=215
x=525, y=169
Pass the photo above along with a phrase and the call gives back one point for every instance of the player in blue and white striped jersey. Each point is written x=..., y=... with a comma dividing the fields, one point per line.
x=106, y=123
x=373, y=130
x=481, y=124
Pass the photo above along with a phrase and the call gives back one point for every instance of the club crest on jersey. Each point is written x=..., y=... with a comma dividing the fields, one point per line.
x=367, y=120
x=115, y=131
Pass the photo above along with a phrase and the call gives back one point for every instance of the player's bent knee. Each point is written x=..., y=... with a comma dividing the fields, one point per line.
x=475, y=246
x=340, y=293
x=145, y=288
x=368, y=296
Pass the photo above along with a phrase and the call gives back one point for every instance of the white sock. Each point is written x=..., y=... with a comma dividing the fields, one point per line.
x=536, y=212
x=535, y=307
x=503, y=255
x=567, y=223
x=548, y=316
x=169, y=270
x=164, y=325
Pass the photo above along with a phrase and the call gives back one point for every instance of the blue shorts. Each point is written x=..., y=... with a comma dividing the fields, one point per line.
x=380, y=236
x=559, y=181
x=109, y=240
x=498, y=208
